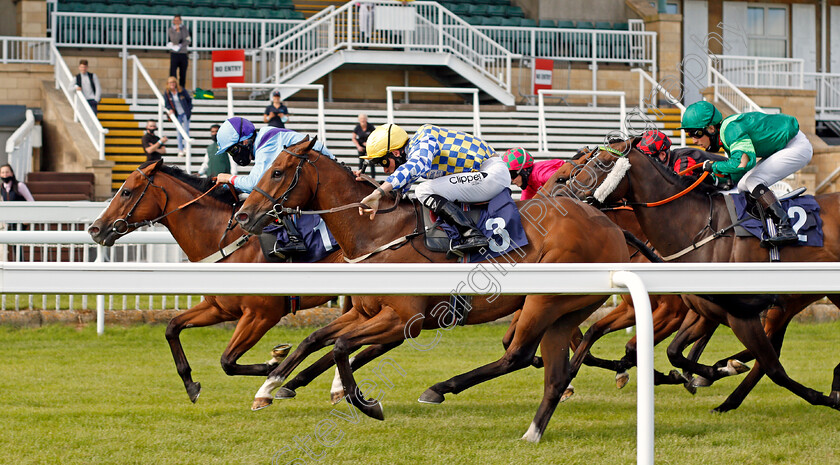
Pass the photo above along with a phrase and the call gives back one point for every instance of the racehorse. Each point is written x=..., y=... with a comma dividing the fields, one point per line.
x=583, y=234
x=152, y=194
x=698, y=222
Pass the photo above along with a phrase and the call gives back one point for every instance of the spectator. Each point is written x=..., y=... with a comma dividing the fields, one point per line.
x=276, y=114
x=12, y=190
x=152, y=144
x=179, y=39
x=360, y=136
x=178, y=105
x=214, y=163
x=88, y=83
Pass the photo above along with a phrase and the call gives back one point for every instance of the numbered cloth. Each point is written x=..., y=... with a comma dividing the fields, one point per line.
x=318, y=239
x=500, y=222
x=804, y=213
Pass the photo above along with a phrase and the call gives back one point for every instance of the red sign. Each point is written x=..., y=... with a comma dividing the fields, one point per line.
x=542, y=74
x=228, y=66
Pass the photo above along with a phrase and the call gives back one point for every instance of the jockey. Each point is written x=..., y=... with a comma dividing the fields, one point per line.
x=530, y=176
x=240, y=139
x=443, y=157
x=745, y=137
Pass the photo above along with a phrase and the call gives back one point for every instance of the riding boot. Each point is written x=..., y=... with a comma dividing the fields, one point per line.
x=295, y=244
x=773, y=208
x=471, y=237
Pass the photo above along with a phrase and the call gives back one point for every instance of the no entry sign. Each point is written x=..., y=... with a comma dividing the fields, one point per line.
x=542, y=74
x=228, y=66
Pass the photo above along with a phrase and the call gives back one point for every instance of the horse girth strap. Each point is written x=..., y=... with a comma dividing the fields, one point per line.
x=397, y=241
x=696, y=245
x=227, y=250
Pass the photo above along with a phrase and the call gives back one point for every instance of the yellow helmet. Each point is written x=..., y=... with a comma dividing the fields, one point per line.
x=384, y=139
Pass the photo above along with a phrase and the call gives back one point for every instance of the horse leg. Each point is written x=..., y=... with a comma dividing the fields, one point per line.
x=692, y=330
x=287, y=391
x=385, y=327
x=315, y=341
x=617, y=319
x=751, y=333
x=537, y=314
x=537, y=362
x=555, y=349
x=251, y=327
x=202, y=314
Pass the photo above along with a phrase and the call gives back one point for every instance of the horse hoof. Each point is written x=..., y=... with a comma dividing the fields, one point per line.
x=690, y=387
x=285, y=393
x=260, y=403
x=194, y=390
x=699, y=381
x=734, y=367
x=677, y=377
x=835, y=399
x=621, y=379
x=569, y=392
x=431, y=397
x=280, y=352
x=375, y=412
x=335, y=397
x=537, y=362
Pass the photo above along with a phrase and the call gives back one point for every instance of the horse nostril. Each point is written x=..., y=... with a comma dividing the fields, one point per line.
x=93, y=230
x=242, y=217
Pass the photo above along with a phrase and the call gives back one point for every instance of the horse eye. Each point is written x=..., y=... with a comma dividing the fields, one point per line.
x=126, y=193
x=277, y=174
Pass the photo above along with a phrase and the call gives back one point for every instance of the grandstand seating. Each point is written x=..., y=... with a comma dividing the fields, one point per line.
x=568, y=127
x=266, y=9
x=55, y=186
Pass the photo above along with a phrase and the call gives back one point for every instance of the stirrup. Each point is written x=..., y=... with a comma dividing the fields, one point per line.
x=471, y=243
x=290, y=248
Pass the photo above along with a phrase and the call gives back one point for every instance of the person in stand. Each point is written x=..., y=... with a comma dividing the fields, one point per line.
x=179, y=39
x=13, y=190
x=458, y=166
x=152, y=144
x=360, y=136
x=179, y=106
x=88, y=83
x=747, y=137
x=239, y=138
x=214, y=163
x=527, y=174
x=276, y=114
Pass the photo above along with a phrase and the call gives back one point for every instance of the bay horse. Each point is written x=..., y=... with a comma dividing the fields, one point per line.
x=302, y=178
x=152, y=193
x=691, y=215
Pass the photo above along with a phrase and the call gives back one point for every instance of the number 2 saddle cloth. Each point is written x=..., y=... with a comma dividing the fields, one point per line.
x=804, y=213
x=498, y=219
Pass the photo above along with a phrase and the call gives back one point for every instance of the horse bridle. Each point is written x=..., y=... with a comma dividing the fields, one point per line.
x=124, y=221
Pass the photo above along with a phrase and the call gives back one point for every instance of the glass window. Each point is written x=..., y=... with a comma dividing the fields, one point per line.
x=755, y=21
x=767, y=31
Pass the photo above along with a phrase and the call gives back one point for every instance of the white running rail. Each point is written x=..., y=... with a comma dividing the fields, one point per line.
x=416, y=26
x=19, y=147
x=543, y=133
x=656, y=88
x=25, y=50
x=728, y=93
x=82, y=112
x=435, y=90
x=768, y=72
x=161, y=104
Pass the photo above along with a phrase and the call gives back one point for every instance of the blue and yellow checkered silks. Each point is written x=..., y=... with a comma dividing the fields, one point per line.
x=434, y=152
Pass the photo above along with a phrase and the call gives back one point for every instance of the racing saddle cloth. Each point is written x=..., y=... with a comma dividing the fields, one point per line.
x=803, y=210
x=318, y=239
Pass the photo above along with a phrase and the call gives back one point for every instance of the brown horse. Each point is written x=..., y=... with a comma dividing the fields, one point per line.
x=301, y=177
x=621, y=171
x=153, y=193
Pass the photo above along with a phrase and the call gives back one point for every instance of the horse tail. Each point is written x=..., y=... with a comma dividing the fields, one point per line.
x=644, y=249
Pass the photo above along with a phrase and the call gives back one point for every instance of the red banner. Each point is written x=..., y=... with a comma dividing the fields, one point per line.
x=542, y=73
x=228, y=66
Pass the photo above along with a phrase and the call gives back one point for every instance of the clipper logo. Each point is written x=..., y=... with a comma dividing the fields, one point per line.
x=472, y=178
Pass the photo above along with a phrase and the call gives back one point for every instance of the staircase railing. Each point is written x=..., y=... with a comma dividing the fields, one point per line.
x=656, y=88
x=417, y=26
x=138, y=67
x=66, y=82
x=770, y=72
x=728, y=93
x=827, y=86
x=19, y=147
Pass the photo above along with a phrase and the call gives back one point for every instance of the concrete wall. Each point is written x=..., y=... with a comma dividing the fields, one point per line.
x=20, y=83
x=8, y=23
x=31, y=16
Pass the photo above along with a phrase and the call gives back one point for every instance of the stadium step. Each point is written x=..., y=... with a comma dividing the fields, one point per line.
x=122, y=144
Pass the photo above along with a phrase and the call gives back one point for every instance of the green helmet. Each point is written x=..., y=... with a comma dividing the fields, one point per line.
x=698, y=115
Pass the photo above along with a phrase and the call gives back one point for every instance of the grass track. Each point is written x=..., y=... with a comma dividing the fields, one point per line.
x=69, y=397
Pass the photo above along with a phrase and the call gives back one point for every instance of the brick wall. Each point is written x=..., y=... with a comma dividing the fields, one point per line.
x=20, y=83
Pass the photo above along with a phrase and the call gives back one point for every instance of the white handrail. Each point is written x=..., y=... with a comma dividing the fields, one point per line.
x=543, y=133
x=19, y=147
x=82, y=112
x=25, y=50
x=445, y=90
x=726, y=92
x=137, y=66
x=753, y=71
x=322, y=126
x=657, y=88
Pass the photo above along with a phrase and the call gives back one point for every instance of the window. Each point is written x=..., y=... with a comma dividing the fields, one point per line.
x=767, y=31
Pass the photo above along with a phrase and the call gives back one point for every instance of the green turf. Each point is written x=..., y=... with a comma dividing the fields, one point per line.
x=69, y=396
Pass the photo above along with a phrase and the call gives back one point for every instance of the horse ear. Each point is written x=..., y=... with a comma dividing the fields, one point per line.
x=150, y=167
x=311, y=143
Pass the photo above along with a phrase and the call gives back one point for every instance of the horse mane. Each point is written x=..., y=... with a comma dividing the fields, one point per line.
x=201, y=184
x=682, y=182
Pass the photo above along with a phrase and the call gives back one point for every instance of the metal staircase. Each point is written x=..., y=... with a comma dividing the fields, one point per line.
x=418, y=34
